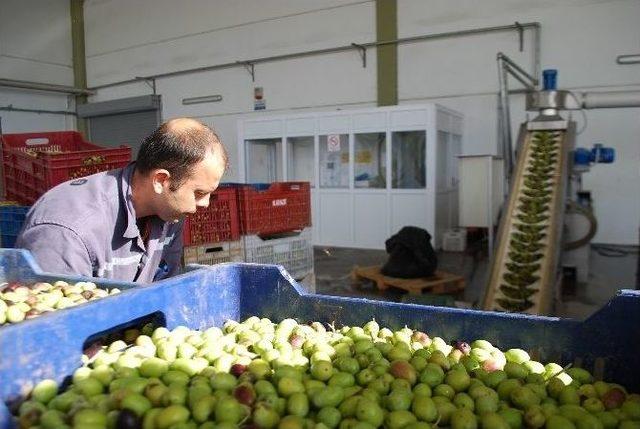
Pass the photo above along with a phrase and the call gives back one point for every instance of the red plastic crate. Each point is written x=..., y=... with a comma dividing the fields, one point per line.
x=216, y=223
x=33, y=163
x=277, y=207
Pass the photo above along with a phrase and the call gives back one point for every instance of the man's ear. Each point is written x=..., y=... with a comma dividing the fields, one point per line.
x=160, y=180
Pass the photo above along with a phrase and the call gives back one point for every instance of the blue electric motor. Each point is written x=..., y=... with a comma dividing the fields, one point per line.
x=597, y=155
x=549, y=79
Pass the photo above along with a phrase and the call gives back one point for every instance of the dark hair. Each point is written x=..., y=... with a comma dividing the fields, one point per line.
x=178, y=150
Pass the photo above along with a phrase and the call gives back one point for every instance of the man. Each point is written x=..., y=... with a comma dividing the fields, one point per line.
x=125, y=224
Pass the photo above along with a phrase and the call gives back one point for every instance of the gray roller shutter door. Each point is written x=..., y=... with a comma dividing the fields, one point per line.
x=125, y=128
x=125, y=121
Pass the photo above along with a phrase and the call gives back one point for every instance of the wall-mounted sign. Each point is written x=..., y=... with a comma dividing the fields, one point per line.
x=333, y=143
x=259, y=102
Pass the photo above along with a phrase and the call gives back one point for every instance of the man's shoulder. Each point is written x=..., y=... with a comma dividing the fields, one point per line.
x=78, y=203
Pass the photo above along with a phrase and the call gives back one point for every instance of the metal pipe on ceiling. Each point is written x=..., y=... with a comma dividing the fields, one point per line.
x=628, y=59
x=47, y=87
x=609, y=99
x=10, y=108
x=425, y=37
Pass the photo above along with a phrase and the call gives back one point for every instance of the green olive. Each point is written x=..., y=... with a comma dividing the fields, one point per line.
x=529, y=229
x=520, y=280
x=528, y=237
x=535, y=193
x=524, y=257
x=522, y=268
x=532, y=219
x=525, y=247
x=545, y=170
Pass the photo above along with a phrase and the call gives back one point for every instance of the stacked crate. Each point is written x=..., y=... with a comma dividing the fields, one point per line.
x=212, y=234
x=275, y=222
x=33, y=163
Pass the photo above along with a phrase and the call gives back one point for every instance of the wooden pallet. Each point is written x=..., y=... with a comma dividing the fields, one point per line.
x=441, y=283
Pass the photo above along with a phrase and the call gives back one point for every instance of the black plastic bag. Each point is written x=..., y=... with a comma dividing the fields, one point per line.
x=410, y=254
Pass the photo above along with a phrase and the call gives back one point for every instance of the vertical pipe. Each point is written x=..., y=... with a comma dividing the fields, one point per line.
x=387, y=55
x=489, y=197
x=536, y=53
x=505, y=122
x=79, y=59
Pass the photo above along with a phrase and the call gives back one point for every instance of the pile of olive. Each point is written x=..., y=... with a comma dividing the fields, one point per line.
x=20, y=301
x=526, y=244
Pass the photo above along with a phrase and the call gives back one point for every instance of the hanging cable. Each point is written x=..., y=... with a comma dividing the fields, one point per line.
x=584, y=115
x=593, y=226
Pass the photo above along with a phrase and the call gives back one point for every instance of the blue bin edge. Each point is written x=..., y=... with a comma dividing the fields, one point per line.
x=207, y=296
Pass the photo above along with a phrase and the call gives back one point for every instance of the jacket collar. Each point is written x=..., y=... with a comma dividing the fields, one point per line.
x=131, y=228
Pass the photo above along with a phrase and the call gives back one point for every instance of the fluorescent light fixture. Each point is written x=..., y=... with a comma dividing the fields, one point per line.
x=628, y=59
x=203, y=99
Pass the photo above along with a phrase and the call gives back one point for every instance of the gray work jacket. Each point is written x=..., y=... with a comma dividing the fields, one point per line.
x=88, y=227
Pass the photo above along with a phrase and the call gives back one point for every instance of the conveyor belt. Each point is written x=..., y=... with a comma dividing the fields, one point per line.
x=524, y=268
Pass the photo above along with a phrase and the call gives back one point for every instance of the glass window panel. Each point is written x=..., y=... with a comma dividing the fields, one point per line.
x=408, y=158
x=264, y=160
x=334, y=161
x=370, y=167
x=300, y=166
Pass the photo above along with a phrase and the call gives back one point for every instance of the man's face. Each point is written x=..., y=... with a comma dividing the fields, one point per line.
x=195, y=191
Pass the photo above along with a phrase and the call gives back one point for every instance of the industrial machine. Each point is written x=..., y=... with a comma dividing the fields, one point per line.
x=544, y=184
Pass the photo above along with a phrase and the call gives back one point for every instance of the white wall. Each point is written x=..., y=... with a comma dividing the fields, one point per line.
x=35, y=45
x=227, y=35
x=581, y=38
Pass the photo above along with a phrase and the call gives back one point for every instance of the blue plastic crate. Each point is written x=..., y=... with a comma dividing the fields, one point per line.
x=11, y=220
x=51, y=347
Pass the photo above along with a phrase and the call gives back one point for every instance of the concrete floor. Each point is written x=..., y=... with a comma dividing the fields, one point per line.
x=333, y=267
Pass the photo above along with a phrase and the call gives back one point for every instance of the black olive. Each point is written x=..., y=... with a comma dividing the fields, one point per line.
x=127, y=419
x=462, y=346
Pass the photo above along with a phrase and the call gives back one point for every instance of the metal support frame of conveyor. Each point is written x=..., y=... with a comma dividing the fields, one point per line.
x=552, y=249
